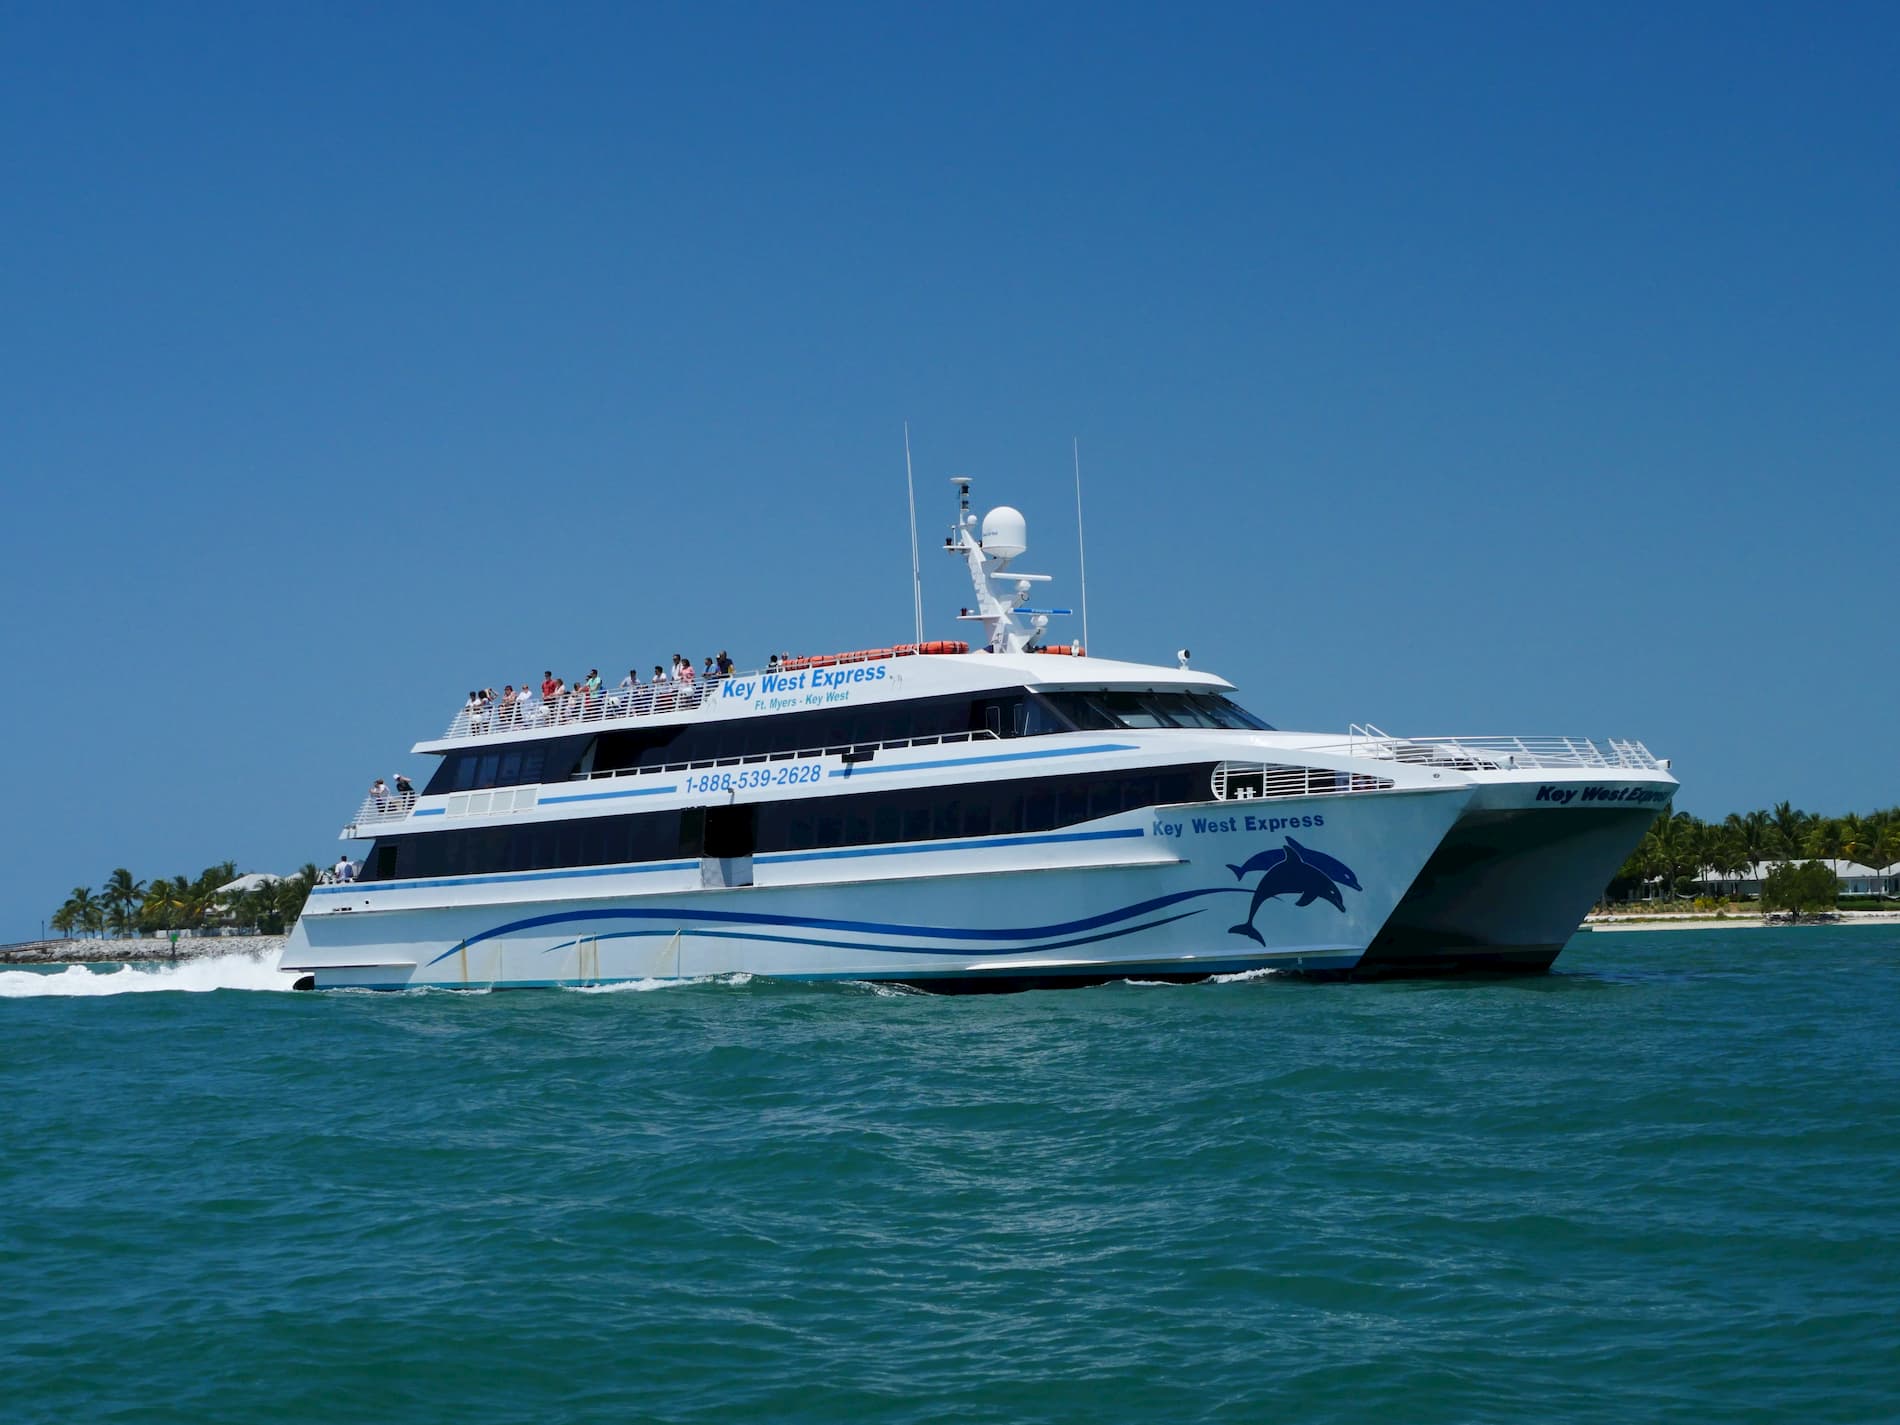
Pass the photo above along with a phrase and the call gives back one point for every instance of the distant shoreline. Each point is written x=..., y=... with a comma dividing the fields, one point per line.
x=136, y=950
x=1707, y=920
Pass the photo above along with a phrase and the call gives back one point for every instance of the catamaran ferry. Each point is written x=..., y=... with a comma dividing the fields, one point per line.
x=1017, y=816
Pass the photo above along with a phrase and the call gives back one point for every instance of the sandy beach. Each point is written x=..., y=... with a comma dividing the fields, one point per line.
x=1689, y=920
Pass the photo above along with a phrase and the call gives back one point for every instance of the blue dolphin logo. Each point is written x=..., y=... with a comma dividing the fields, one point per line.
x=1294, y=871
x=1338, y=870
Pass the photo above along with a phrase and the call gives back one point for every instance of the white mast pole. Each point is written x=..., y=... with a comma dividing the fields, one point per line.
x=1081, y=549
x=916, y=572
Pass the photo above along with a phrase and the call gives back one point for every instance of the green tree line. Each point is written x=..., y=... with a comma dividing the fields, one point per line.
x=129, y=906
x=1678, y=846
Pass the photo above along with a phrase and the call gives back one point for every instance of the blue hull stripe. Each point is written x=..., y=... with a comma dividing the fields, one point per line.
x=866, y=770
x=678, y=918
x=602, y=796
x=430, y=811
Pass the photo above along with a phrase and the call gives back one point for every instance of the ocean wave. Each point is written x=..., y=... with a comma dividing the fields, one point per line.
x=221, y=972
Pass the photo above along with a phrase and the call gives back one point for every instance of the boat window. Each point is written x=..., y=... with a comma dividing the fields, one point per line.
x=531, y=762
x=1106, y=709
x=1081, y=711
x=1229, y=714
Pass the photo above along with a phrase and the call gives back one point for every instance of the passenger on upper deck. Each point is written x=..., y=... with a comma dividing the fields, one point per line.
x=507, y=709
x=725, y=664
x=379, y=794
x=405, y=790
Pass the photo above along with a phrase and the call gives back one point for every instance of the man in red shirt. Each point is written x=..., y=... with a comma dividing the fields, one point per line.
x=547, y=685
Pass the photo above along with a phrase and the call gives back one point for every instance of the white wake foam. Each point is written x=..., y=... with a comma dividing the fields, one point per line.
x=221, y=972
x=623, y=987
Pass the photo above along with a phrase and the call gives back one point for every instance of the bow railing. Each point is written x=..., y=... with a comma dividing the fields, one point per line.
x=1505, y=752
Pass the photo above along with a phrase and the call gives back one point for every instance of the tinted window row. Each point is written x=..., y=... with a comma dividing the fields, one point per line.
x=1102, y=711
x=911, y=814
x=520, y=765
x=1021, y=713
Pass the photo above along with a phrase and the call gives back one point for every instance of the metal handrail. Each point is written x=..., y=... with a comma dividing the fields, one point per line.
x=579, y=707
x=613, y=702
x=1245, y=781
x=376, y=810
x=1502, y=752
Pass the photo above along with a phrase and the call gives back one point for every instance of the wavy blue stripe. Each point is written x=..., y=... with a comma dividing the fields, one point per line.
x=602, y=796
x=865, y=769
x=678, y=918
x=860, y=945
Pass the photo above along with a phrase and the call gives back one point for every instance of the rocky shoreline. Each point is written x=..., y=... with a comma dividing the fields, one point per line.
x=143, y=950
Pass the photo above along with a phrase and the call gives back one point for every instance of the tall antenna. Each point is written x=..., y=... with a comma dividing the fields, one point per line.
x=916, y=573
x=1081, y=549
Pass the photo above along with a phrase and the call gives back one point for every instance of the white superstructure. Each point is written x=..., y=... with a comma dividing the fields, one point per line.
x=1019, y=815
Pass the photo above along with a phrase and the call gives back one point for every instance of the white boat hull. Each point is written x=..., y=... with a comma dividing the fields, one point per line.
x=1510, y=884
x=1172, y=892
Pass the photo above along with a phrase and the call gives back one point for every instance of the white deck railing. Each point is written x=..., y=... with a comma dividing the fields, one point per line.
x=1488, y=753
x=1244, y=781
x=578, y=708
x=613, y=703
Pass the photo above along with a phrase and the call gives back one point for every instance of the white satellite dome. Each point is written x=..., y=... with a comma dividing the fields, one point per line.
x=1005, y=533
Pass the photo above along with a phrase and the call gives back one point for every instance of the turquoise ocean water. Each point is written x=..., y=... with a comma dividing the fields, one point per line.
x=1662, y=1184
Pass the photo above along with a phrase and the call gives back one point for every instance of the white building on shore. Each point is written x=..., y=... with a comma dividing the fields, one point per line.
x=1854, y=878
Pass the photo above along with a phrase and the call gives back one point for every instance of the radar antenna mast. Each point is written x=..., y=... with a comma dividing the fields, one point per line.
x=916, y=570
x=1081, y=548
x=988, y=550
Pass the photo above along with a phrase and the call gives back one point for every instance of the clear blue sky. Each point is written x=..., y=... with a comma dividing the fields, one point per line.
x=1473, y=368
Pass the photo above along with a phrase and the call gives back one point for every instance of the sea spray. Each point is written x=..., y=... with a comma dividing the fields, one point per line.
x=222, y=972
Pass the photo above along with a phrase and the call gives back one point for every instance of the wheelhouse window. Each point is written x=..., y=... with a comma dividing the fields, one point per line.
x=1102, y=711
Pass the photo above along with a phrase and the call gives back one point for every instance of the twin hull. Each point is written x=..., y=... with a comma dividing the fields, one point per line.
x=1163, y=893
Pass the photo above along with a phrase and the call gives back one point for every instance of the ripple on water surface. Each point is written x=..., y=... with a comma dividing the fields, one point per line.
x=1657, y=1185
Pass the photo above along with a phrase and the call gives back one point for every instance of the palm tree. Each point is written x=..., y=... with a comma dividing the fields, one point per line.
x=122, y=896
x=63, y=920
x=1790, y=827
x=164, y=900
x=1729, y=854
x=1822, y=840
x=83, y=911
x=1675, y=844
x=1860, y=840
x=1887, y=847
x=80, y=909
x=292, y=892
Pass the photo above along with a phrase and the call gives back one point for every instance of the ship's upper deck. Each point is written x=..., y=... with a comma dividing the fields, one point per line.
x=807, y=684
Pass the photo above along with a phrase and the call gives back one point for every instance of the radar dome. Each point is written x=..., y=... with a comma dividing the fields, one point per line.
x=1005, y=535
